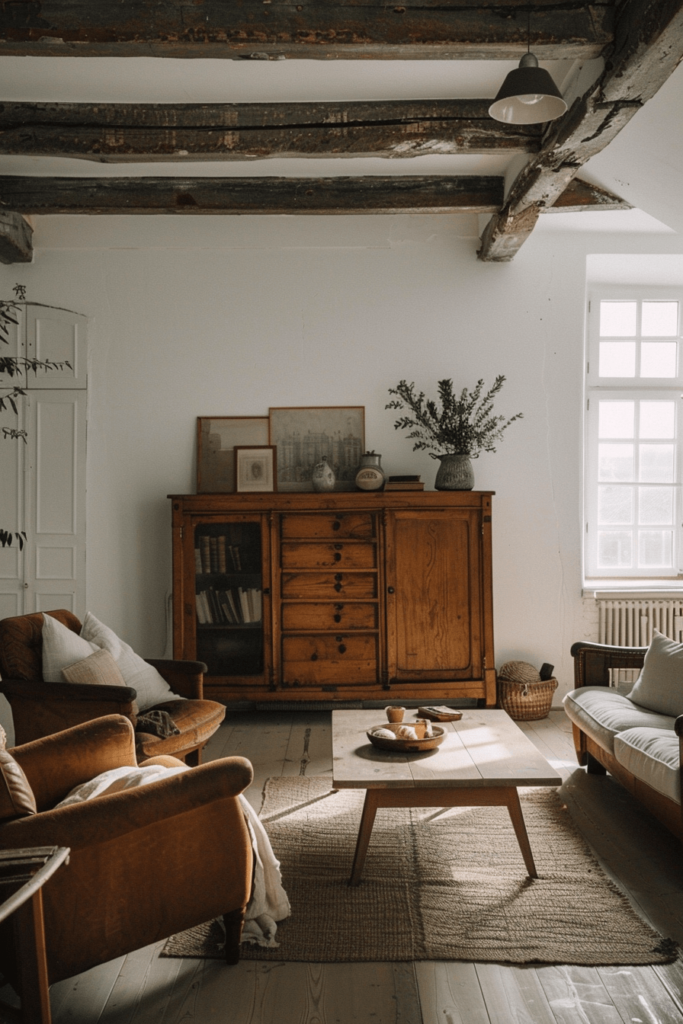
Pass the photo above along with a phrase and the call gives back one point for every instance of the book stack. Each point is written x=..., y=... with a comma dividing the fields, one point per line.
x=404, y=483
x=234, y=607
x=214, y=554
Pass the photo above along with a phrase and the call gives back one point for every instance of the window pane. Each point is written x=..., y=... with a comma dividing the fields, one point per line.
x=659, y=320
x=615, y=462
x=657, y=419
x=617, y=359
x=656, y=463
x=618, y=319
x=657, y=358
x=616, y=419
x=615, y=507
x=614, y=549
x=655, y=549
x=655, y=506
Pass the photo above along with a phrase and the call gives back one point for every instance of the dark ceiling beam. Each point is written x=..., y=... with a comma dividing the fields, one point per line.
x=134, y=132
x=580, y=196
x=16, y=245
x=430, y=29
x=649, y=47
x=400, y=194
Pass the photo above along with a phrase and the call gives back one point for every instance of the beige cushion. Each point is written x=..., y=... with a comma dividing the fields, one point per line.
x=660, y=684
x=602, y=713
x=651, y=755
x=98, y=668
x=16, y=796
x=61, y=648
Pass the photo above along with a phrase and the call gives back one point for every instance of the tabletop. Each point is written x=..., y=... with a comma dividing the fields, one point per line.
x=484, y=748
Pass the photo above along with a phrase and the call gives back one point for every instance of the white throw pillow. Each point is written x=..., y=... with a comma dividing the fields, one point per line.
x=151, y=687
x=61, y=648
x=660, y=684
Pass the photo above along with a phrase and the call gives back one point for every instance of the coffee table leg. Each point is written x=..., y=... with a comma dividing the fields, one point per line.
x=515, y=809
x=366, y=822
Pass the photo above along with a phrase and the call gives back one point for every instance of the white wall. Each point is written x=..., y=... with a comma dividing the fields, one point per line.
x=227, y=316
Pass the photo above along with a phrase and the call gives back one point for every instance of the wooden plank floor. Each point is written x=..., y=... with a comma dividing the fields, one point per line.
x=641, y=856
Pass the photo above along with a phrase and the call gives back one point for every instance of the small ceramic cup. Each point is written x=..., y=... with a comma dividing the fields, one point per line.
x=395, y=714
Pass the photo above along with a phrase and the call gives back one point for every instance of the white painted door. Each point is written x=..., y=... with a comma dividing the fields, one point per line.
x=43, y=480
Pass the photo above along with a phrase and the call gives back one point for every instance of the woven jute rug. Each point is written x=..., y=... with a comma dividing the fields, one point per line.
x=437, y=885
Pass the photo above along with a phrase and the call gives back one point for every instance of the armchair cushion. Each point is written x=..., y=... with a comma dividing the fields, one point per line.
x=602, y=713
x=16, y=796
x=98, y=668
x=197, y=721
x=151, y=687
x=660, y=684
x=652, y=755
x=61, y=648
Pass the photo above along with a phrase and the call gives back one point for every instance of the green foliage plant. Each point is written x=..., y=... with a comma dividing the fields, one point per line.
x=464, y=425
x=14, y=367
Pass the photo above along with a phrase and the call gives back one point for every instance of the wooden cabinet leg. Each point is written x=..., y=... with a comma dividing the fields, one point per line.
x=517, y=818
x=30, y=936
x=366, y=822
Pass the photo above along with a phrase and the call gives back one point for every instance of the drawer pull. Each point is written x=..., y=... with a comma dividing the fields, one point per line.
x=337, y=587
x=390, y=590
x=336, y=525
x=342, y=648
x=339, y=639
x=338, y=576
x=337, y=617
x=337, y=556
x=314, y=657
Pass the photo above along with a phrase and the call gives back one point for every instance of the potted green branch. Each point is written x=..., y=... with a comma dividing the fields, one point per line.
x=459, y=431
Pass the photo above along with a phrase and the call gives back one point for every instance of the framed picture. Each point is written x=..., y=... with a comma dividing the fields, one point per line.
x=303, y=435
x=217, y=438
x=255, y=469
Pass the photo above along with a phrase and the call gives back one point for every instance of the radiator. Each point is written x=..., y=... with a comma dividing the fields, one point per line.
x=632, y=623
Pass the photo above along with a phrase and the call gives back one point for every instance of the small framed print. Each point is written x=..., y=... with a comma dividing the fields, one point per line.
x=255, y=468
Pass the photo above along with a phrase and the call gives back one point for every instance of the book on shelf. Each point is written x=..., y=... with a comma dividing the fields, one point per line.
x=205, y=550
x=198, y=560
x=222, y=563
x=405, y=478
x=404, y=485
x=234, y=607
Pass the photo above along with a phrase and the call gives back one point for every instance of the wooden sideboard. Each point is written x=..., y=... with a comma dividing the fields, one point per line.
x=341, y=596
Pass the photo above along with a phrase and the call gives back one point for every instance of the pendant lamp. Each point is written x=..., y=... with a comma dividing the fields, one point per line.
x=528, y=95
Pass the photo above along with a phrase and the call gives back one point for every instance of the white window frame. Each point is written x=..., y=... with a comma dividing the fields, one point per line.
x=632, y=388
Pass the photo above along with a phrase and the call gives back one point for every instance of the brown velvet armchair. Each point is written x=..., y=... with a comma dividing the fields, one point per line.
x=41, y=709
x=145, y=863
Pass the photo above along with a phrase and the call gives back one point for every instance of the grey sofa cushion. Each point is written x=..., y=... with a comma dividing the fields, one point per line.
x=602, y=713
x=660, y=685
x=652, y=756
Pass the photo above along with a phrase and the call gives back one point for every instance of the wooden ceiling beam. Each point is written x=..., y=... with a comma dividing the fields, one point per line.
x=347, y=29
x=580, y=196
x=648, y=49
x=16, y=245
x=258, y=195
x=237, y=131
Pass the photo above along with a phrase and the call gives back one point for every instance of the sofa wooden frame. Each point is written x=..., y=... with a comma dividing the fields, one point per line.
x=592, y=663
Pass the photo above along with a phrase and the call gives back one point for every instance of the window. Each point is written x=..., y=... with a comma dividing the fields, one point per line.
x=633, y=411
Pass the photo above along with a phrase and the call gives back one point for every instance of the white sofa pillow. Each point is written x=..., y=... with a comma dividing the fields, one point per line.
x=660, y=684
x=151, y=687
x=61, y=648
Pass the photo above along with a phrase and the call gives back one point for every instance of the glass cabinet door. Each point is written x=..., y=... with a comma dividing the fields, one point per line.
x=229, y=597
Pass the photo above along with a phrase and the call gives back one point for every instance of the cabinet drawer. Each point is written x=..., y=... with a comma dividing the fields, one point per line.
x=329, y=586
x=328, y=556
x=329, y=659
x=329, y=616
x=353, y=525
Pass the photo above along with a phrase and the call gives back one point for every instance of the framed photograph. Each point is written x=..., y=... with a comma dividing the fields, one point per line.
x=303, y=435
x=255, y=469
x=217, y=438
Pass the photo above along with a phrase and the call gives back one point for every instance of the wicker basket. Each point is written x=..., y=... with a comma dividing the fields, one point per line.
x=526, y=702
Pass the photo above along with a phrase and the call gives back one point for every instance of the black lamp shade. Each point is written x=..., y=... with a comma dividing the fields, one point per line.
x=527, y=96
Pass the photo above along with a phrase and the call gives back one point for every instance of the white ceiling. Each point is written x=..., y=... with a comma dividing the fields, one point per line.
x=644, y=164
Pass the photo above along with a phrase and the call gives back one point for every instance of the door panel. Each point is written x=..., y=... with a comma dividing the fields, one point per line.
x=58, y=336
x=435, y=604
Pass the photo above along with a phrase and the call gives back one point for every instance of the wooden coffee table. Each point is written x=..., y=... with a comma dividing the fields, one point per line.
x=481, y=762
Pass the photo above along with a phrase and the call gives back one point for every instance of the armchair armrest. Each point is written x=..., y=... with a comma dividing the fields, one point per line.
x=55, y=764
x=592, y=662
x=111, y=817
x=40, y=690
x=184, y=677
x=40, y=708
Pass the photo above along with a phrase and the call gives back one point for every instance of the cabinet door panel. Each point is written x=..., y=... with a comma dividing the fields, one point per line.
x=329, y=616
x=329, y=586
x=328, y=556
x=352, y=525
x=436, y=600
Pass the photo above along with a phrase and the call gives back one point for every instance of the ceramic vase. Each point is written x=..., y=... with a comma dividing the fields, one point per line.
x=323, y=478
x=455, y=473
x=370, y=475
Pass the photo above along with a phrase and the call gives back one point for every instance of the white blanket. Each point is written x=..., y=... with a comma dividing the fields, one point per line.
x=268, y=903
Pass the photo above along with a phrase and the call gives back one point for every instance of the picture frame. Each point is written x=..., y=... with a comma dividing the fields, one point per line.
x=255, y=469
x=304, y=434
x=217, y=437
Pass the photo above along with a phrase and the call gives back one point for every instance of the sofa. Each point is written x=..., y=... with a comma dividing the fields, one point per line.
x=636, y=736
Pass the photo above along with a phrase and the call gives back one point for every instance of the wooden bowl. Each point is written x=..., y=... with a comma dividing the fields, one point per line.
x=400, y=746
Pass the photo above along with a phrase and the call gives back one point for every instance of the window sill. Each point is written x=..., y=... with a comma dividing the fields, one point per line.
x=644, y=590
